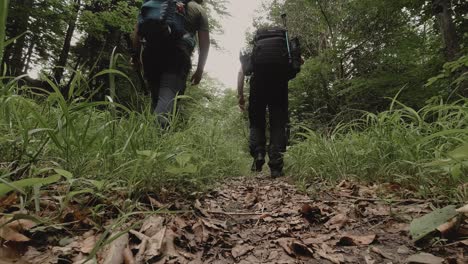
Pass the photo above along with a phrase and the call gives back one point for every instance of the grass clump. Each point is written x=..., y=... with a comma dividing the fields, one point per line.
x=423, y=150
x=104, y=141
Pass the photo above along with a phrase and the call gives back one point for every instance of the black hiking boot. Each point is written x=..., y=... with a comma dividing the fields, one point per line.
x=277, y=173
x=258, y=163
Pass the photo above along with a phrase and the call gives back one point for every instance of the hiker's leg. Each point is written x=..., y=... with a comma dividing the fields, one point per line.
x=279, y=116
x=153, y=87
x=257, y=111
x=170, y=85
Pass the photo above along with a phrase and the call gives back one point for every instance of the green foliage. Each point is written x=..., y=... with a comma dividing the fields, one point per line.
x=107, y=142
x=358, y=53
x=3, y=19
x=399, y=145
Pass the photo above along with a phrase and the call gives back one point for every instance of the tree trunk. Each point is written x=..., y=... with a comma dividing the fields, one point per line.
x=16, y=62
x=63, y=58
x=29, y=53
x=443, y=12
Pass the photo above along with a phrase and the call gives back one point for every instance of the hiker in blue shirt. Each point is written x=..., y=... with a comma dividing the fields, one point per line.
x=163, y=42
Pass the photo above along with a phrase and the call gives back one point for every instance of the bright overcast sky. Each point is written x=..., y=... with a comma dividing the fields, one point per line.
x=224, y=64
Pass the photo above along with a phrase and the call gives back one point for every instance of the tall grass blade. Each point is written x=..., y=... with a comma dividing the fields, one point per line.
x=3, y=21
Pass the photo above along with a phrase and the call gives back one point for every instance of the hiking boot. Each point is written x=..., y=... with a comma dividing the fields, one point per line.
x=258, y=163
x=277, y=173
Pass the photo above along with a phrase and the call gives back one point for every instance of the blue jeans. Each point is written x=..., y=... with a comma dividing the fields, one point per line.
x=164, y=91
x=166, y=70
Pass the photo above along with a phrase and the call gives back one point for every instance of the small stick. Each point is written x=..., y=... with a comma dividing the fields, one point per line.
x=233, y=213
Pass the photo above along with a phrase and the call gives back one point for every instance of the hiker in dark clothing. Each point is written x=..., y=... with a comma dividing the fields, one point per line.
x=273, y=61
x=166, y=58
x=267, y=91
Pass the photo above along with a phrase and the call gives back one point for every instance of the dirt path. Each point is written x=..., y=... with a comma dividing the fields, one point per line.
x=260, y=220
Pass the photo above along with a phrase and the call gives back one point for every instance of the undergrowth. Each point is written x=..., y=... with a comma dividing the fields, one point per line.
x=41, y=134
x=425, y=151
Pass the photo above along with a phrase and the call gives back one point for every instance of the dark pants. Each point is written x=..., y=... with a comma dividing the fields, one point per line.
x=269, y=91
x=166, y=70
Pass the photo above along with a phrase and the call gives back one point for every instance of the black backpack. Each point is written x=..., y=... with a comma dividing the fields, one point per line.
x=273, y=53
x=162, y=20
x=270, y=51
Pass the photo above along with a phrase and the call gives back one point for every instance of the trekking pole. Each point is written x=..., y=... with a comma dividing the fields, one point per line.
x=283, y=16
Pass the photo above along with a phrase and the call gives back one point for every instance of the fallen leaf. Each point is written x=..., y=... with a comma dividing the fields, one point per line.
x=9, y=200
x=448, y=227
x=198, y=206
x=285, y=244
x=349, y=240
x=464, y=242
x=115, y=254
x=424, y=258
x=240, y=250
x=155, y=203
x=312, y=214
x=153, y=249
x=251, y=199
x=425, y=226
x=381, y=253
x=21, y=225
x=10, y=234
x=152, y=225
x=337, y=222
x=32, y=255
x=88, y=244
x=403, y=250
x=463, y=210
x=215, y=224
x=369, y=260
x=300, y=249
x=328, y=253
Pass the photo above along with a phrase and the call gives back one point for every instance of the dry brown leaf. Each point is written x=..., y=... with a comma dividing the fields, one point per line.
x=152, y=225
x=32, y=255
x=328, y=253
x=153, y=248
x=381, y=253
x=300, y=249
x=250, y=200
x=198, y=206
x=369, y=260
x=350, y=240
x=21, y=225
x=464, y=242
x=424, y=258
x=463, y=210
x=337, y=222
x=448, y=227
x=115, y=254
x=88, y=244
x=201, y=233
x=313, y=214
x=155, y=203
x=9, y=200
x=241, y=250
x=10, y=234
x=285, y=243
x=215, y=224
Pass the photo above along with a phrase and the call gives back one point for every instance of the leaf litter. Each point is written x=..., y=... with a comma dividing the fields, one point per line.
x=245, y=220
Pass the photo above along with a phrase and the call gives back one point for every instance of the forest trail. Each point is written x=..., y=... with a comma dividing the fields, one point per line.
x=258, y=220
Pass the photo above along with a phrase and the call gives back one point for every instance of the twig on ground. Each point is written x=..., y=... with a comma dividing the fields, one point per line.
x=233, y=213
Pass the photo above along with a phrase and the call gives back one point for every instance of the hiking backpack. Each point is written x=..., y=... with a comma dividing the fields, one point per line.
x=273, y=52
x=162, y=20
x=270, y=51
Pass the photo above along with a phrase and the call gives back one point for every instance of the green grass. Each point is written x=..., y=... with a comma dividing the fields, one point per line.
x=3, y=19
x=425, y=151
x=107, y=142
